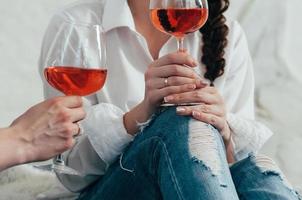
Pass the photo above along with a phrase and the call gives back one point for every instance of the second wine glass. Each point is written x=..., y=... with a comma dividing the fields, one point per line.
x=75, y=65
x=178, y=17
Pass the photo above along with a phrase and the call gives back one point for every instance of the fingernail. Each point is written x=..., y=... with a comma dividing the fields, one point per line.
x=204, y=82
x=180, y=109
x=192, y=86
x=168, y=98
x=194, y=63
x=199, y=83
x=196, y=114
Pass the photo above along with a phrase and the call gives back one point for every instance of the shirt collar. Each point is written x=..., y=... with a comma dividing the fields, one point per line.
x=117, y=14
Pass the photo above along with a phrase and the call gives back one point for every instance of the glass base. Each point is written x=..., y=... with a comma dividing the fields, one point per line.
x=181, y=104
x=59, y=168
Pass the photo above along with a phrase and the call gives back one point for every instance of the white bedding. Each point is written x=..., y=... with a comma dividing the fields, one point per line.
x=274, y=33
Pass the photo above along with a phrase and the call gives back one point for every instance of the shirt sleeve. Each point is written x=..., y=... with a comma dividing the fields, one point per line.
x=248, y=134
x=105, y=136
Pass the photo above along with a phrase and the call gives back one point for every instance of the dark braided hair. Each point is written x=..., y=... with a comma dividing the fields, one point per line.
x=215, y=33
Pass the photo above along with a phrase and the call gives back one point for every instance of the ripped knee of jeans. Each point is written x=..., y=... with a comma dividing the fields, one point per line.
x=268, y=167
x=143, y=125
x=203, y=147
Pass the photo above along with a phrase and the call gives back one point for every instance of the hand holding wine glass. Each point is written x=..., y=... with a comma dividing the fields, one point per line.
x=181, y=79
x=46, y=124
x=75, y=65
x=178, y=18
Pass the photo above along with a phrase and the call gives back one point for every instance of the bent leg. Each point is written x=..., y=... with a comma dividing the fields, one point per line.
x=173, y=158
x=258, y=177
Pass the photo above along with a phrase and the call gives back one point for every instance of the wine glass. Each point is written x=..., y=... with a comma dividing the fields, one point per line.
x=178, y=18
x=75, y=65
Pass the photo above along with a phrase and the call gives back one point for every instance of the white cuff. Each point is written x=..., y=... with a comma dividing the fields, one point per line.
x=248, y=135
x=106, y=132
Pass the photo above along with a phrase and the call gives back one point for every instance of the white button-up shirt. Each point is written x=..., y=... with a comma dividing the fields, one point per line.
x=127, y=60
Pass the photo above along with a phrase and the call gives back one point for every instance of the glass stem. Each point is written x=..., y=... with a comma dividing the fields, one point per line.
x=59, y=160
x=180, y=44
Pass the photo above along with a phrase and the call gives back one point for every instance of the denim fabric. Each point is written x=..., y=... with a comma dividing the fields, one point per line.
x=253, y=183
x=159, y=165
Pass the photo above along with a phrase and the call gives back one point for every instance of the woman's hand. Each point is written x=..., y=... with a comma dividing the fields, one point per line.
x=48, y=128
x=171, y=74
x=211, y=109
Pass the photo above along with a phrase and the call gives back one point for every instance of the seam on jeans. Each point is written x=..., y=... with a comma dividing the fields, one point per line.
x=172, y=173
x=121, y=165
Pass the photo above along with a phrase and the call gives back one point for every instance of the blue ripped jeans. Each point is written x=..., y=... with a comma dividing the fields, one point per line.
x=173, y=159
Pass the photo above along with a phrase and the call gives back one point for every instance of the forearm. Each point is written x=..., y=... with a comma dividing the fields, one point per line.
x=227, y=139
x=230, y=152
x=12, y=151
x=141, y=113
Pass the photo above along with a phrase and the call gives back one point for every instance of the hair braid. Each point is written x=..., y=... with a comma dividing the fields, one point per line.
x=215, y=33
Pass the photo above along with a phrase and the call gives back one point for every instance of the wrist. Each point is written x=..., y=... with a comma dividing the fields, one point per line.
x=24, y=142
x=14, y=148
x=226, y=134
x=147, y=108
x=141, y=113
x=227, y=140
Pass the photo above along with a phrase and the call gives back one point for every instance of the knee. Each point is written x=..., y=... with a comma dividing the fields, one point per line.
x=201, y=141
x=268, y=167
x=205, y=145
x=165, y=124
x=265, y=163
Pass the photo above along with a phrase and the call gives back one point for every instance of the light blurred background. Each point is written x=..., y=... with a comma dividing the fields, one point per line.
x=274, y=32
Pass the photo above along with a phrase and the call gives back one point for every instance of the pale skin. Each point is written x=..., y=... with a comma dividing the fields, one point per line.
x=42, y=132
x=184, y=85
